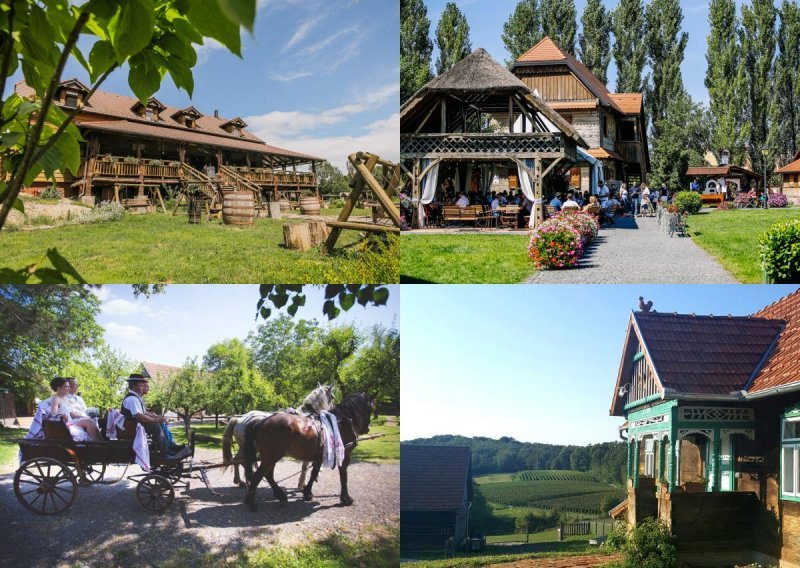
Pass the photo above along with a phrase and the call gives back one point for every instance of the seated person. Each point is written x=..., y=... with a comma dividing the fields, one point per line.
x=592, y=204
x=75, y=400
x=555, y=203
x=570, y=203
x=82, y=429
x=462, y=201
x=495, y=204
x=133, y=408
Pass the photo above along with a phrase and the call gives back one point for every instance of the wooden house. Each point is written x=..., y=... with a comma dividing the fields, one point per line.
x=478, y=116
x=613, y=124
x=131, y=148
x=435, y=496
x=712, y=422
x=718, y=183
x=790, y=184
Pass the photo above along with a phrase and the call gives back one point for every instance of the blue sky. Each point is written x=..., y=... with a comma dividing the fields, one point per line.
x=319, y=77
x=486, y=19
x=537, y=363
x=186, y=320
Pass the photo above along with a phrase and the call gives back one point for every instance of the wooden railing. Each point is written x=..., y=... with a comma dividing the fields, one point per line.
x=266, y=176
x=482, y=145
x=630, y=151
x=118, y=167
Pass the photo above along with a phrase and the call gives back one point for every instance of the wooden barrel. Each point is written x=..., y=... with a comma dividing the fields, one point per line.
x=309, y=206
x=285, y=205
x=195, y=209
x=238, y=208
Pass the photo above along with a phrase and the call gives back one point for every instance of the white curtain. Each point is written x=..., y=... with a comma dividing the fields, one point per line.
x=428, y=188
x=526, y=183
x=487, y=175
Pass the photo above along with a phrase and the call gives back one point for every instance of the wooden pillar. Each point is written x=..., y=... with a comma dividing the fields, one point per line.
x=510, y=113
x=182, y=153
x=247, y=158
x=416, y=194
x=140, y=164
x=443, y=117
x=219, y=159
x=314, y=181
x=94, y=149
x=538, y=206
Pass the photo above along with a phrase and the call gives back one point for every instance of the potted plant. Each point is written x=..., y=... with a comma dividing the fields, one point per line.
x=156, y=163
x=130, y=160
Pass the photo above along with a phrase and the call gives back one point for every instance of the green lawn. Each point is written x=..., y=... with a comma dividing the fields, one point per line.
x=502, y=554
x=9, y=449
x=464, y=259
x=161, y=248
x=384, y=450
x=732, y=237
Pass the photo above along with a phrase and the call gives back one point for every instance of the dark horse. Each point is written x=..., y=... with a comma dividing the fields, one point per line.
x=296, y=436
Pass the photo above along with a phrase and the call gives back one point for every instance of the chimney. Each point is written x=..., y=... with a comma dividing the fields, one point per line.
x=216, y=113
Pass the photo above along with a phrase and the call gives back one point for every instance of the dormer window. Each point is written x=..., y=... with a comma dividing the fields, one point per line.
x=149, y=111
x=187, y=117
x=150, y=114
x=72, y=93
x=234, y=126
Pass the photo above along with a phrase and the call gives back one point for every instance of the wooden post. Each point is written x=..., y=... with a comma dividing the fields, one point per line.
x=219, y=160
x=297, y=236
x=510, y=113
x=318, y=231
x=443, y=117
x=94, y=148
x=182, y=153
x=357, y=183
x=538, y=206
x=140, y=163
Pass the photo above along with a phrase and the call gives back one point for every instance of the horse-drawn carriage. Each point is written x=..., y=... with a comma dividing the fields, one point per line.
x=53, y=467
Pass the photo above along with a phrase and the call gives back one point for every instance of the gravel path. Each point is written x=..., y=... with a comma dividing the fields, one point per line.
x=636, y=251
x=106, y=526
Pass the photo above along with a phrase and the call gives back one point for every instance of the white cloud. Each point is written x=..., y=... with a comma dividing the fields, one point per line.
x=315, y=48
x=119, y=307
x=381, y=137
x=103, y=293
x=302, y=32
x=126, y=332
x=286, y=123
x=291, y=76
x=204, y=51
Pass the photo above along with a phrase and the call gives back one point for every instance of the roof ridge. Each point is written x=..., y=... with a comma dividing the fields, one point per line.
x=778, y=301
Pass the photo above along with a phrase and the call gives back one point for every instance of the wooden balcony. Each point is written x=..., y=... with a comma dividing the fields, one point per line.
x=125, y=169
x=486, y=145
x=267, y=176
x=630, y=151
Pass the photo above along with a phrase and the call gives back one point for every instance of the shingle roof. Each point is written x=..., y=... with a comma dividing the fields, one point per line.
x=706, y=354
x=719, y=171
x=208, y=127
x=629, y=103
x=603, y=154
x=434, y=478
x=547, y=51
x=783, y=365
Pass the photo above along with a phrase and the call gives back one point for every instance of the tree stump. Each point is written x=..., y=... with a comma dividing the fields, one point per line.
x=319, y=232
x=274, y=210
x=297, y=236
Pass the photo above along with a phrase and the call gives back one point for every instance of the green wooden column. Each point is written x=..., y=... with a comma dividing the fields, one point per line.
x=716, y=450
x=628, y=472
x=636, y=463
x=660, y=467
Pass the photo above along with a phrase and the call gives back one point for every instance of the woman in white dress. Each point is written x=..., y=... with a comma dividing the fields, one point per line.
x=82, y=429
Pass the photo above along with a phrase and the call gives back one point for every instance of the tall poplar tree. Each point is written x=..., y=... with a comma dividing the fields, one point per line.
x=594, y=42
x=452, y=38
x=784, y=129
x=415, y=47
x=725, y=81
x=629, y=45
x=559, y=22
x=666, y=44
x=523, y=29
x=758, y=40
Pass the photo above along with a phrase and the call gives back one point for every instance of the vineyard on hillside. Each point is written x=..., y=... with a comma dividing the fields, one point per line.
x=568, y=491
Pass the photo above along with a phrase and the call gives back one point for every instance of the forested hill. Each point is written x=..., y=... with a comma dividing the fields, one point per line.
x=606, y=461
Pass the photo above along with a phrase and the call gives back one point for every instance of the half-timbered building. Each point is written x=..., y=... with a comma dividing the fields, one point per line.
x=133, y=147
x=712, y=422
x=613, y=124
x=790, y=180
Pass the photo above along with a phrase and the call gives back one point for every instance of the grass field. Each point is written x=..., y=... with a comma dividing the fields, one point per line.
x=161, y=248
x=732, y=237
x=9, y=449
x=552, y=475
x=507, y=554
x=464, y=259
x=493, y=478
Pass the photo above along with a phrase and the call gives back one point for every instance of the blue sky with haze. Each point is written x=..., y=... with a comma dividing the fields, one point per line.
x=537, y=363
x=486, y=19
x=186, y=320
x=319, y=77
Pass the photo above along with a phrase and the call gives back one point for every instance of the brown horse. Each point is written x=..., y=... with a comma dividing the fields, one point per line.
x=282, y=434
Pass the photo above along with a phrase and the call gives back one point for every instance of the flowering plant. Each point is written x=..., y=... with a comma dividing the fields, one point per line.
x=777, y=200
x=583, y=222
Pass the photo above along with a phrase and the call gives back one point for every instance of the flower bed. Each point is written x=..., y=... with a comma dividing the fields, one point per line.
x=777, y=200
x=560, y=241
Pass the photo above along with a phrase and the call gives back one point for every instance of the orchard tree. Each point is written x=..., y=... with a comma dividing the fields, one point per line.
x=376, y=367
x=331, y=179
x=186, y=392
x=152, y=38
x=102, y=376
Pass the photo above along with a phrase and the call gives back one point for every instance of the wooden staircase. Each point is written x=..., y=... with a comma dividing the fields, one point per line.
x=231, y=178
x=210, y=191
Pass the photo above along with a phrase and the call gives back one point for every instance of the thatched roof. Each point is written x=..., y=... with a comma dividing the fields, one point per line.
x=477, y=72
x=479, y=81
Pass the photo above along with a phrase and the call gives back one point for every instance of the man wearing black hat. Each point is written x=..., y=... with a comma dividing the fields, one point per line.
x=133, y=408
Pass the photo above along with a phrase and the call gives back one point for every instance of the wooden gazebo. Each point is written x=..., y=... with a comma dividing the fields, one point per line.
x=455, y=117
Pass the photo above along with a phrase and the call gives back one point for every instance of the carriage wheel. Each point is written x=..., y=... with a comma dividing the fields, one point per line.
x=94, y=472
x=155, y=493
x=45, y=486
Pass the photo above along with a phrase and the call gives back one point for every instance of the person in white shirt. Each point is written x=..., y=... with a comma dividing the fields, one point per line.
x=133, y=408
x=570, y=203
x=76, y=401
x=462, y=201
x=81, y=429
x=494, y=204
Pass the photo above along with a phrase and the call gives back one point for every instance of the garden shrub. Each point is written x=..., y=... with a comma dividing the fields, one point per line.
x=50, y=193
x=780, y=252
x=777, y=200
x=650, y=545
x=555, y=245
x=106, y=211
x=687, y=202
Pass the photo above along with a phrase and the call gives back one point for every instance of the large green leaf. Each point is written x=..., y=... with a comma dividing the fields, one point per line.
x=132, y=27
x=186, y=30
x=144, y=77
x=181, y=74
x=178, y=47
x=210, y=21
x=243, y=12
x=101, y=58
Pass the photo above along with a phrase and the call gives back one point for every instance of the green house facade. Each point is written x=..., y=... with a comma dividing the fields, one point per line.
x=711, y=409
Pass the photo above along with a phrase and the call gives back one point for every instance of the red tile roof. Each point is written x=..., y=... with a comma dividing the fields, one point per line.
x=155, y=370
x=720, y=171
x=629, y=103
x=783, y=365
x=434, y=478
x=706, y=354
x=603, y=154
x=790, y=168
x=547, y=51
x=209, y=127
